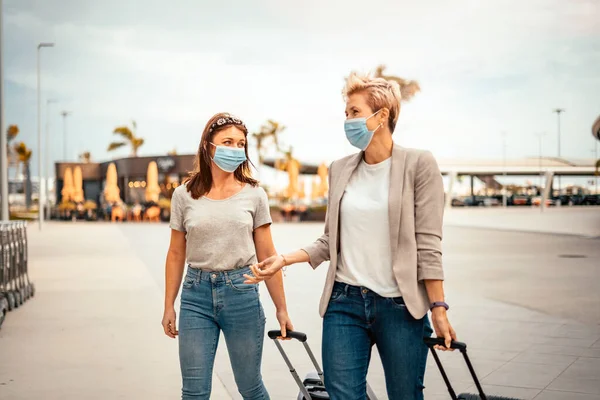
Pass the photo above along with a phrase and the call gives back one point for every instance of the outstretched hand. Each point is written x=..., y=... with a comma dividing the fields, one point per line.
x=265, y=270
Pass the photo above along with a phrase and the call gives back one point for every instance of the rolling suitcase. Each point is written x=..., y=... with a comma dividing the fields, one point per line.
x=462, y=347
x=312, y=387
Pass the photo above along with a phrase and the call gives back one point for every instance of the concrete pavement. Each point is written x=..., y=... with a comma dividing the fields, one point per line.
x=529, y=315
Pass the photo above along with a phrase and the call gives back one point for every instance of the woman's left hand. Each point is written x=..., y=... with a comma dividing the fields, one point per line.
x=442, y=328
x=285, y=324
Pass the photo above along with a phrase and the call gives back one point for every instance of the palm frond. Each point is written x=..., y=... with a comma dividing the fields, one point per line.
x=137, y=143
x=115, y=145
x=23, y=152
x=124, y=131
x=409, y=89
x=11, y=132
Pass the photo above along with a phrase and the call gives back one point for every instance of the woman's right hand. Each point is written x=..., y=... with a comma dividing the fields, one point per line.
x=266, y=269
x=168, y=322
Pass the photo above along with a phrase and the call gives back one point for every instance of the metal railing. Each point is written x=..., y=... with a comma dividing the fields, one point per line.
x=15, y=286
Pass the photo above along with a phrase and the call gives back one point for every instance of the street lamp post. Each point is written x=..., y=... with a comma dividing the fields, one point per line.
x=504, y=199
x=3, y=139
x=596, y=160
x=65, y=114
x=48, y=161
x=558, y=111
x=540, y=137
x=39, y=129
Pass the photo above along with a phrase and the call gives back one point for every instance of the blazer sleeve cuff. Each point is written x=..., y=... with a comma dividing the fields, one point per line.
x=430, y=273
x=314, y=255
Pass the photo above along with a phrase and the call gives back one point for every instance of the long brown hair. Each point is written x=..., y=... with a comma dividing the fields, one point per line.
x=200, y=179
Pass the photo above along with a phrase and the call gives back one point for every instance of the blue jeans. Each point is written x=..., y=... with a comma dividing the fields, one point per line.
x=212, y=302
x=358, y=318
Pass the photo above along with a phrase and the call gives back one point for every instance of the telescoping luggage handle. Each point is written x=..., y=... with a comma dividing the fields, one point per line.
x=462, y=347
x=301, y=337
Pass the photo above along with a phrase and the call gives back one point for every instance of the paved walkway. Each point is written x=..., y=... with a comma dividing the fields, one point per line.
x=92, y=331
x=531, y=318
x=582, y=221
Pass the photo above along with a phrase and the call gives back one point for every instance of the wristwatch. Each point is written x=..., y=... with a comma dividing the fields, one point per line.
x=439, y=304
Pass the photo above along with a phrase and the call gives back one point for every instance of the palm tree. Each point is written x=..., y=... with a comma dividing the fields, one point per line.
x=24, y=156
x=11, y=133
x=408, y=88
x=129, y=137
x=85, y=157
x=272, y=130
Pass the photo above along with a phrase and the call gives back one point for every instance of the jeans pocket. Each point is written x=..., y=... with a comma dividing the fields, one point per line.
x=237, y=283
x=188, y=282
x=336, y=294
x=398, y=302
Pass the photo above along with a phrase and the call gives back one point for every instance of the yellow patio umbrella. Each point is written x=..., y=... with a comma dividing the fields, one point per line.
x=78, y=185
x=67, y=189
x=322, y=171
x=111, y=190
x=302, y=189
x=152, y=187
x=314, y=193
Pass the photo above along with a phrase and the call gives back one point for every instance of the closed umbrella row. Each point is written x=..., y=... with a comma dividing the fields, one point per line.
x=15, y=286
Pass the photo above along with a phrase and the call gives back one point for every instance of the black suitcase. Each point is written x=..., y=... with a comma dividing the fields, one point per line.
x=462, y=347
x=312, y=387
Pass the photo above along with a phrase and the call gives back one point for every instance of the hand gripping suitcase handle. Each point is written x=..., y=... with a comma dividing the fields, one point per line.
x=431, y=341
x=301, y=337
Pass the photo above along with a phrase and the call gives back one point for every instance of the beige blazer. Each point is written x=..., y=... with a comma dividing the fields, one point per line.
x=416, y=207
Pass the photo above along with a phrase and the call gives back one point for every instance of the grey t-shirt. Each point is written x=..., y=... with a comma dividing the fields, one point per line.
x=219, y=232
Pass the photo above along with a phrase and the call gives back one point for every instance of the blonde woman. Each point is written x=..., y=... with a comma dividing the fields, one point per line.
x=383, y=233
x=220, y=225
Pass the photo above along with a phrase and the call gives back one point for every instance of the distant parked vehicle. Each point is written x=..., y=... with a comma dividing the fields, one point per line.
x=521, y=200
x=591, y=200
x=477, y=201
x=536, y=201
x=457, y=202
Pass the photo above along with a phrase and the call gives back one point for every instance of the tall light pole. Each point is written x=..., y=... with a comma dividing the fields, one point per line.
x=48, y=160
x=595, y=161
x=3, y=140
x=540, y=137
x=65, y=114
x=504, y=199
x=39, y=129
x=558, y=111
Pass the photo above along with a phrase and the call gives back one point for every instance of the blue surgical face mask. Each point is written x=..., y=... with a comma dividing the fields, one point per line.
x=229, y=158
x=357, y=132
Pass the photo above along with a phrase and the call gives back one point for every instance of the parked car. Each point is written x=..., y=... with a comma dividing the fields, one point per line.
x=476, y=201
x=456, y=202
x=521, y=200
x=536, y=201
x=591, y=200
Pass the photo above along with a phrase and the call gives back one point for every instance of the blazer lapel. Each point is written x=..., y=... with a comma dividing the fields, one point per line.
x=395, y=195
x=339, y=187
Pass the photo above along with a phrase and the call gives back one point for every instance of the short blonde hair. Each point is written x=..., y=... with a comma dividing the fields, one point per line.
x=380, y=93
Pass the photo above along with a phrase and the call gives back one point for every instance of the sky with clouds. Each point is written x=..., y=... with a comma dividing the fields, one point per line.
x=484, y=68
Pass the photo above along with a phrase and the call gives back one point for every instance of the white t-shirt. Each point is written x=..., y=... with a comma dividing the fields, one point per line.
x=366, y=254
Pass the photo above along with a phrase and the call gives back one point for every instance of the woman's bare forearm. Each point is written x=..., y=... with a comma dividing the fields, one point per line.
x=173, y=275
x=435, y=290
x=298, y=256
x=277, y=292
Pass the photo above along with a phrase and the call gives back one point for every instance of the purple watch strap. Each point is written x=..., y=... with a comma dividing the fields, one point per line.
x=439, y=304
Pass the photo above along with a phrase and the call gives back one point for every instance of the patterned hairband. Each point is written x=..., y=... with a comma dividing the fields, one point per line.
x=227, y=120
